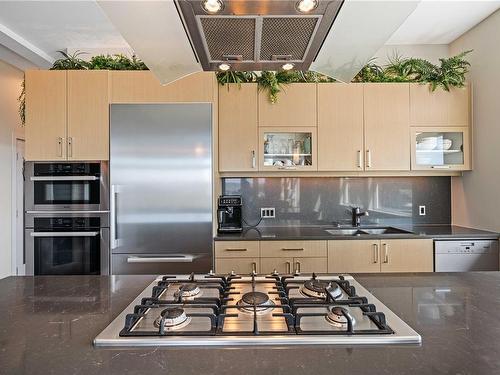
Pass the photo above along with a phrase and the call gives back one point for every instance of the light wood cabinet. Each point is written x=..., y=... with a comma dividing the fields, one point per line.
x=296, y=106
x=387, y=129
x=406, y=255
x=346, y=256
x=88, y=115
x=238, y=265
x=45, y=115
x=238, y=129
x=287, y=249
x=144, y=87
x=67, y=115
x=392, y=255
x=308, y=265
x=232, y=249
x=439, y=107
x=282, y=265
x=340, y=127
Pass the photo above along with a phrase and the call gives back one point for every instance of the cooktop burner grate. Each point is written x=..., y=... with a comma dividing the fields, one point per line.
x=253, y=305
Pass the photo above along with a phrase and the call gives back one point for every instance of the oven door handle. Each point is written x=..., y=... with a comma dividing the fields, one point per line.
x=170, y=259
x=64, y=234
x=64, y=178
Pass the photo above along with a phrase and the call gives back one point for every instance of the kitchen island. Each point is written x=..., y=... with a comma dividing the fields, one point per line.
x=48, y=323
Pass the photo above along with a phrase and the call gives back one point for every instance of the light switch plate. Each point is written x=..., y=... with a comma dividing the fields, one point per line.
x=421, y=210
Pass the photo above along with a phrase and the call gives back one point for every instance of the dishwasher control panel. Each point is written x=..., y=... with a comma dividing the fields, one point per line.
x=469, y=255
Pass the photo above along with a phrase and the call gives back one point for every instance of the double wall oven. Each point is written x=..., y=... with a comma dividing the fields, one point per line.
x=67, y=218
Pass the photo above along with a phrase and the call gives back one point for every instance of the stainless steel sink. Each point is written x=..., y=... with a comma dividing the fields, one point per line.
x=384, y=230
x=345, y=232
x=365, y=231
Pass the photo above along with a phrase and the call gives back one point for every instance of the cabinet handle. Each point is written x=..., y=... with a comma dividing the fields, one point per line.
x=253, y=159
x=292, y=249
x=386, y=252
x=360, y=162
x=441, y=166
x=288, y=267
x=235, y=249
x=70, y=147
x=60, y=146
x=254, y=267
x=297, y=263
x=375, y=253
x=368, y=159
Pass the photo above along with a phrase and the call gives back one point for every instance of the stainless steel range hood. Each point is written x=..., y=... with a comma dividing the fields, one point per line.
x=257, y=35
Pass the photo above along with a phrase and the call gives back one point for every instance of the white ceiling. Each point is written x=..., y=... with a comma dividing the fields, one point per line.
x=43, y=27
x=442, y=21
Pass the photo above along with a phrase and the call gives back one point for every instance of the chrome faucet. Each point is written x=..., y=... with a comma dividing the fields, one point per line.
x=356, y=216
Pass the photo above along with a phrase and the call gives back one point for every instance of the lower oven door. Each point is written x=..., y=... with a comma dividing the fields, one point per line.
x=67, y=253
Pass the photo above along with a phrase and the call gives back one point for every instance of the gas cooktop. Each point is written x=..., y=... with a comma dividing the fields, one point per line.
x=224, y=310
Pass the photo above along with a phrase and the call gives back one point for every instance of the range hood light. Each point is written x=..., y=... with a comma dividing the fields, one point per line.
x=305, y=6
x=288, y=66
x=224, y=67
x=212, y=6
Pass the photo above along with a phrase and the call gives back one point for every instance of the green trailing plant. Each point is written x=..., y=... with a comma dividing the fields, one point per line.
x=22, y=103
x=229, y=76
x=70, y=62
x=452, y=72
x=116, y=62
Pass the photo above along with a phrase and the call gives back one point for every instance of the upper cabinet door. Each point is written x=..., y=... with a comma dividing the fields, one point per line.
x=296, y=106
x=238, y=128
x=439, y=107
x=340, y=127
x=143, y=87
x=88, y=115
x=45, y=115
x=387, y=128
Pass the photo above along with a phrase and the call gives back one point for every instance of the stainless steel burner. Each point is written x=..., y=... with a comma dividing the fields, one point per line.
x=173, y=318
x=336, y=318
x=188, y=291
x=317, y=288
x=260, y=300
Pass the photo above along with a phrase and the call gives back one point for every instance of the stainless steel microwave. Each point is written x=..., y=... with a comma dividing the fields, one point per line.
x=66, y=186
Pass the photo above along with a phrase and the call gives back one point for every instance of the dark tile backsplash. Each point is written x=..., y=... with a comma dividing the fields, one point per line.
x=321, y=201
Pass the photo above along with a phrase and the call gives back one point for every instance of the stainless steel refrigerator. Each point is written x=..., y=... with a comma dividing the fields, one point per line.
x=161, y=188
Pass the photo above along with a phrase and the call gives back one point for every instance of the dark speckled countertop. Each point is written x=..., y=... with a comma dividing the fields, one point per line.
x=319, y=233
x=48, y=323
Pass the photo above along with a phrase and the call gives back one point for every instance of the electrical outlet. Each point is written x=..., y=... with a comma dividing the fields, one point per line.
x=421, y=210
x=267, y=213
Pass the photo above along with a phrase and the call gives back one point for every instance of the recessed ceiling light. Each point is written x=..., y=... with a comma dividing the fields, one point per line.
x=287, y=66
x=212, y=6
x=224, y=67
x=305, y=6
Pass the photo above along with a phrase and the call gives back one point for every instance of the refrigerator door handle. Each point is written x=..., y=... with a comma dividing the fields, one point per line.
x=112, y=224
x=161, y=259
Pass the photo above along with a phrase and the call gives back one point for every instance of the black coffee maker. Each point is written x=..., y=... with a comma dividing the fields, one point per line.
x=229, y=215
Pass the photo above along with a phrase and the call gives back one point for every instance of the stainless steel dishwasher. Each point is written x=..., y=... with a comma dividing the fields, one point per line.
x=469, y=255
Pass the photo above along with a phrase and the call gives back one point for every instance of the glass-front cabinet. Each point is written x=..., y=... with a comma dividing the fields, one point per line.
x=285, y=149
x=440, y=148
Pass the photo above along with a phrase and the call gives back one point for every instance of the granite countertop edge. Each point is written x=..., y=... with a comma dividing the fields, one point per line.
x=452, y=232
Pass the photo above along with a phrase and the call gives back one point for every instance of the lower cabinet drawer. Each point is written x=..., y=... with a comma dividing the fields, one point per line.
x=158, y=264
x=232, y=249
x=281, y=265
x=308, y=265
x=293, y=249
x=238, y=265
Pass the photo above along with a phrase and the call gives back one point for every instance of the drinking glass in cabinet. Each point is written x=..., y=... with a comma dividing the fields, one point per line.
x=287, y=149
x=439, y=148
